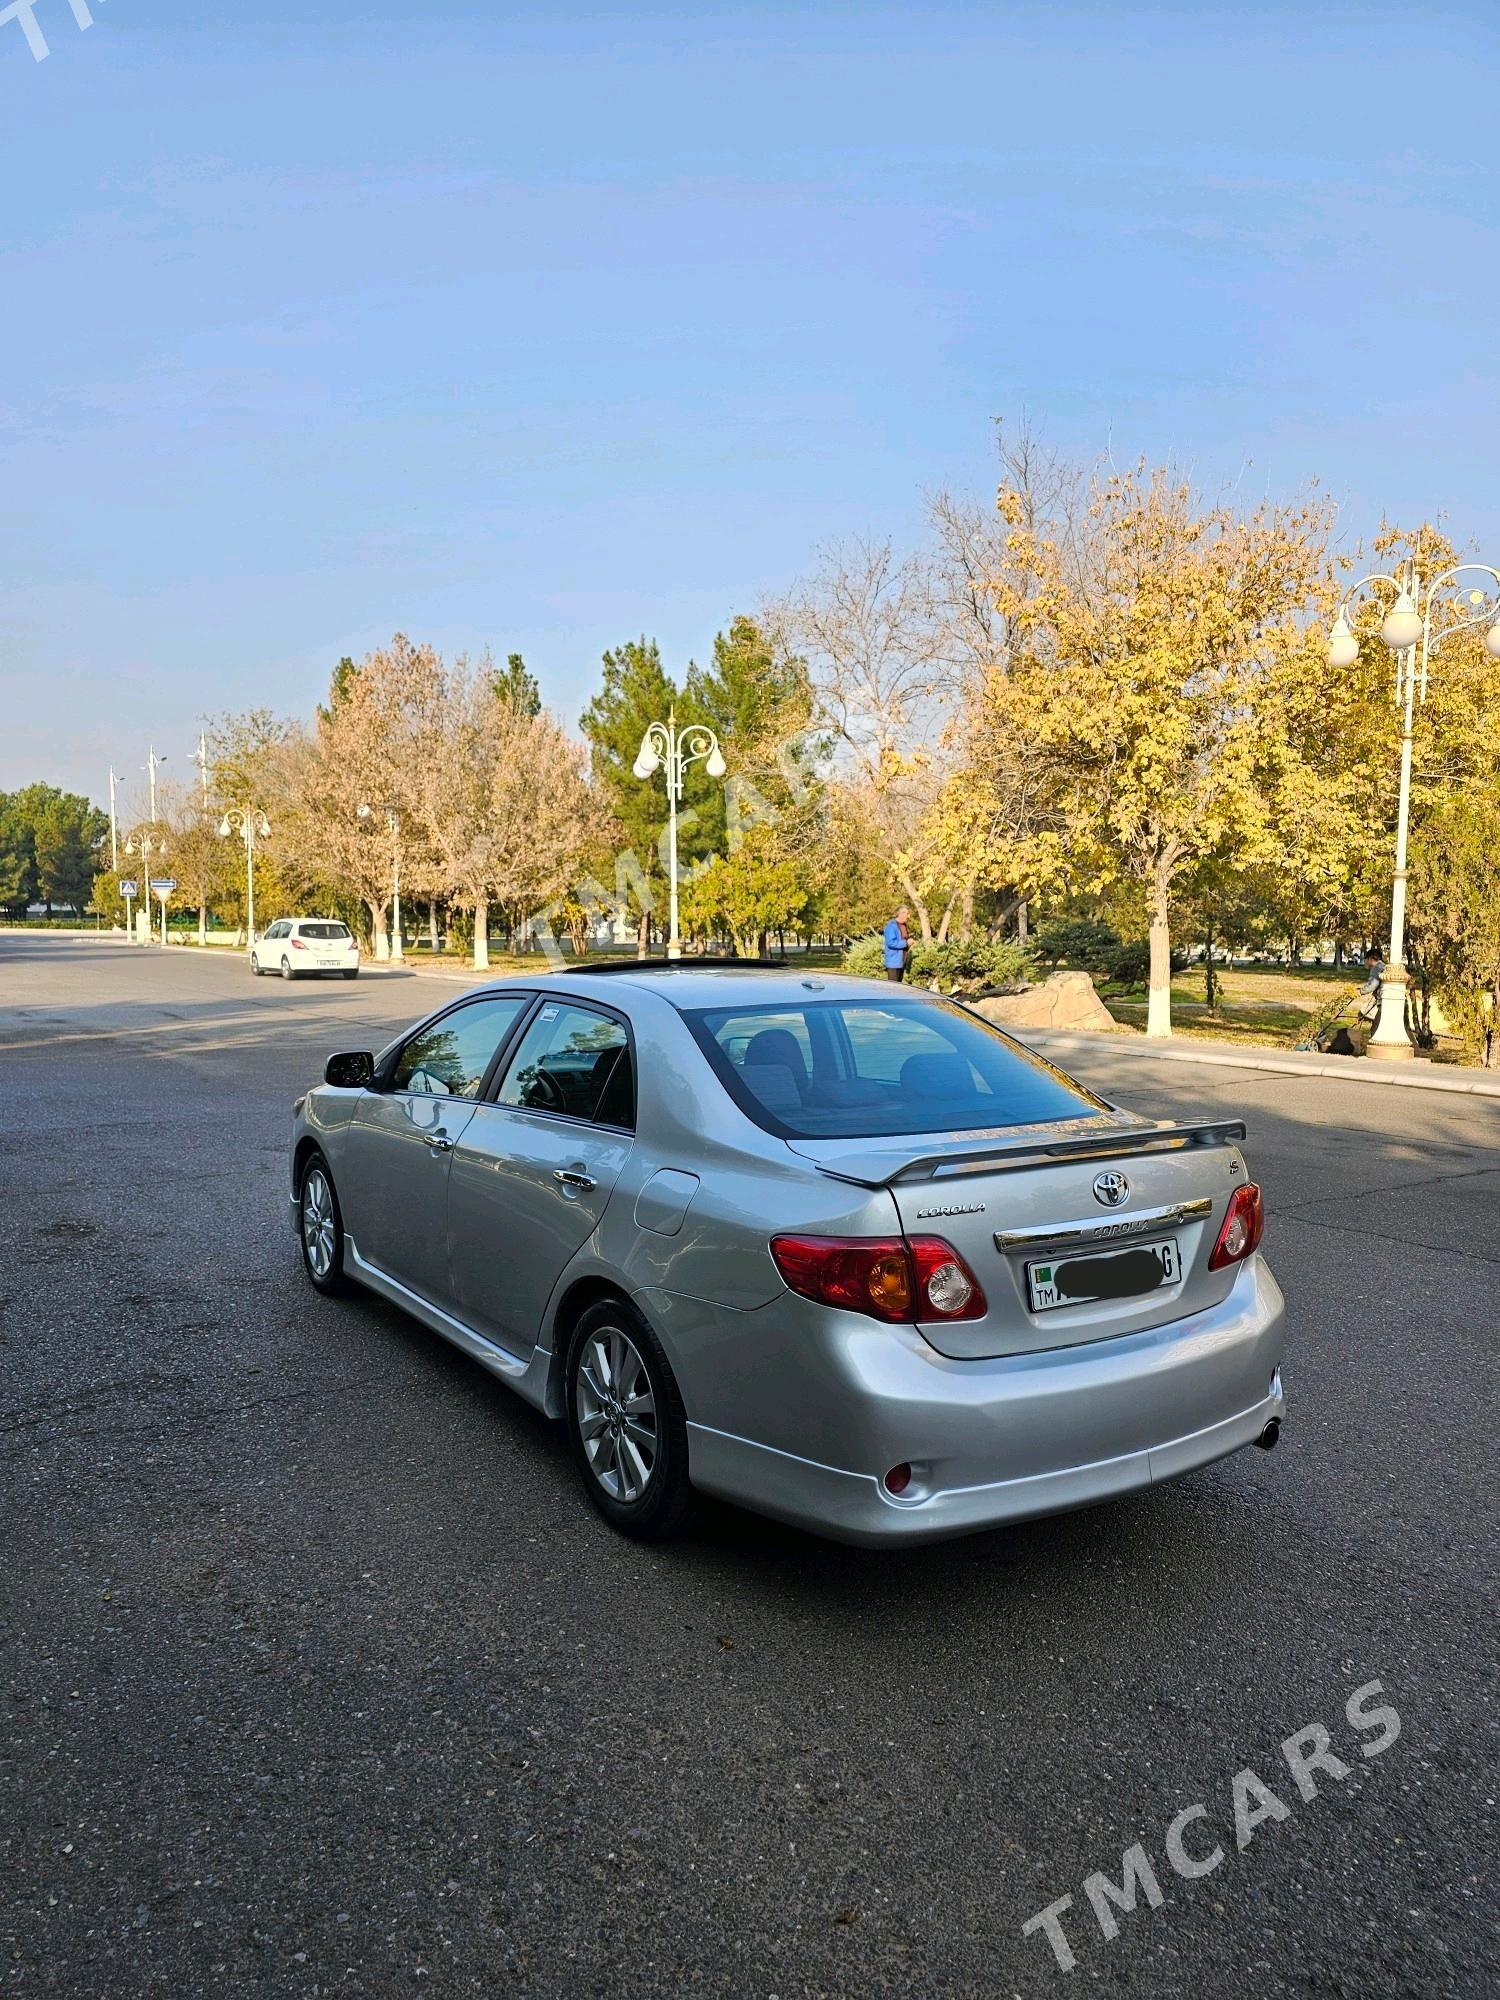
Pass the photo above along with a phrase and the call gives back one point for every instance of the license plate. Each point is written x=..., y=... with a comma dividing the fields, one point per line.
x=1120, y=1274
x=326, y=963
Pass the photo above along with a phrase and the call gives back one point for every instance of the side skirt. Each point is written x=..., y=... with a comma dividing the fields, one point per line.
x=528, y=1376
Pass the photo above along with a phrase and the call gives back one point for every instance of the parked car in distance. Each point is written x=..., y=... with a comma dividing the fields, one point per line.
x=849, y=1256
x=298, y=946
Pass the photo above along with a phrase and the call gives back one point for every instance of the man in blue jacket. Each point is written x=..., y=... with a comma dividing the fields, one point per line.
x=898, y=945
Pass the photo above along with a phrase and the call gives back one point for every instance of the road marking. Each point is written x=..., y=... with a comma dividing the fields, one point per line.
x=183, y=1030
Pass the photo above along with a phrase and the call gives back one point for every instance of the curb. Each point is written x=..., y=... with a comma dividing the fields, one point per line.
x=1346, y=1069
x=468, y=977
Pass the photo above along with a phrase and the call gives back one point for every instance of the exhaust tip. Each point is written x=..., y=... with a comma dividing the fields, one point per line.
x=1270, y=1437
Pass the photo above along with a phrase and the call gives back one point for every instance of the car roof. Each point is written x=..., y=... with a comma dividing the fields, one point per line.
x=722, y=985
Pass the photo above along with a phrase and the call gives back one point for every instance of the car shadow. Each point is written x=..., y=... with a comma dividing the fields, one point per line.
x=1139, y=1530
x=1160, y=1542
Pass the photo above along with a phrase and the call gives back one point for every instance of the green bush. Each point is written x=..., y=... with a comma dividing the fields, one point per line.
x=1084, y=942
x=1010, y=963
x=1130, y=964
x=865, y=957
x=971, y=965
x=957, y=965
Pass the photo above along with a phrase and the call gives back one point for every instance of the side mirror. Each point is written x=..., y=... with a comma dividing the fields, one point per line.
x=352, y=1071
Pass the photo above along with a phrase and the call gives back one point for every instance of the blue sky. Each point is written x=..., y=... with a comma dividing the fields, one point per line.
x=547, y=327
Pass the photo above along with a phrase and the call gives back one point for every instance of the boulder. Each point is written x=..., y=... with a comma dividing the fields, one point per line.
x=1065, y=1001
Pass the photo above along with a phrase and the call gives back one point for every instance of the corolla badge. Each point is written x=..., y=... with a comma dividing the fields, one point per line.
x=1111, y=1188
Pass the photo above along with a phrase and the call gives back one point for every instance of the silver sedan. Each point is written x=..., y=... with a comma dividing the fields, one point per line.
x=844, y=1254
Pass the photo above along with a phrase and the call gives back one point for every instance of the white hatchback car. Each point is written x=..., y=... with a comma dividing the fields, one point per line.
x=294, y=945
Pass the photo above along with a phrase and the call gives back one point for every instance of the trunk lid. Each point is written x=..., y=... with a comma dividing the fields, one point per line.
x=1027, y=1196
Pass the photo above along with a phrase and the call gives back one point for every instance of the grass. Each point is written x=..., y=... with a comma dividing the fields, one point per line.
x=1269, y=1006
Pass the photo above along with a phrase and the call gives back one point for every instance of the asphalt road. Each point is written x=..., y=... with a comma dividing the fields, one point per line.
x=321, y=1677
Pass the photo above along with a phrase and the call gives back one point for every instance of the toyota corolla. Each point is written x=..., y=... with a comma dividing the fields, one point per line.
x=852, y=1257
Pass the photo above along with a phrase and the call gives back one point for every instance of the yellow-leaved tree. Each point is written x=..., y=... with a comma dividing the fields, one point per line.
x=1128, y=730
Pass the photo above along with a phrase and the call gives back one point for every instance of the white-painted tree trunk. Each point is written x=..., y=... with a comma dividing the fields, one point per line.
x=482, y=936
x=1159, y=990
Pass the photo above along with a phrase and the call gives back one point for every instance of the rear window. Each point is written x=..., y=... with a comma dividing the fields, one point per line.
x=323, y=930
x=860, y=1069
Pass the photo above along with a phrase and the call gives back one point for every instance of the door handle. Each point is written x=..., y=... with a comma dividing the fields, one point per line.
x=574, y=1177
x=438, y=1142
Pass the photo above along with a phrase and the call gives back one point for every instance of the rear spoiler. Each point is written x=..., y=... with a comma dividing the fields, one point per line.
x=880, y=1170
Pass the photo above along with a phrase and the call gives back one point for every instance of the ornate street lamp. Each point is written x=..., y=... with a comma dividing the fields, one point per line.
x=145, y=842
x=664, y=748
x=252, y=825
x=393, y=822
x=1408, y=629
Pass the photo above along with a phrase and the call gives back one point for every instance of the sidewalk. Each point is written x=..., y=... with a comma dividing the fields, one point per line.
x=1414, y=1075
x=459, y=975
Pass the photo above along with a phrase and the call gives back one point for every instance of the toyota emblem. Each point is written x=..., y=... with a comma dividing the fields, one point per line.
x=1111, y=1188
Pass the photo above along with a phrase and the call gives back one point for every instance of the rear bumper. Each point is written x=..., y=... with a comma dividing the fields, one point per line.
x=854, y=1507
x=988, y=1441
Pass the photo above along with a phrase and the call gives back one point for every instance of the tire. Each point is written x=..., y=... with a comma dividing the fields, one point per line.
x=254, y=966
x=320, y=1229
x=655, y=1443
x=286, y=969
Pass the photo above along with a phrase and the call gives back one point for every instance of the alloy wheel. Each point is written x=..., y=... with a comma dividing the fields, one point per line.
x=319, y=1237
x=617, y=1414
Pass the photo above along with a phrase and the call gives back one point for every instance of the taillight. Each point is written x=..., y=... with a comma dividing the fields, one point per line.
x=1244, y=1225
x=298, y=944
x=884, y=1276
x=946, y=1287
x=868, y=1274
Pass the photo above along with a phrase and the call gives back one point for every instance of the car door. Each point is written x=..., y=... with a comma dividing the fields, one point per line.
x=394, y=1187
x=534, y=1169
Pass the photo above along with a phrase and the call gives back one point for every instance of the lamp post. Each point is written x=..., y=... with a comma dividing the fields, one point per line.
x=393, y=821
x=664, y=747
x=152, y=760
x=1407, y=630
x=114, y=851
x=252, y=825
x=145, y=842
